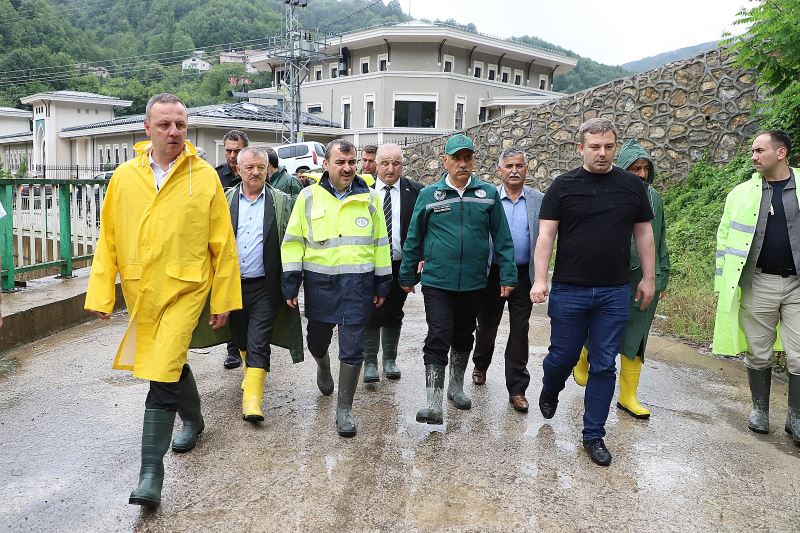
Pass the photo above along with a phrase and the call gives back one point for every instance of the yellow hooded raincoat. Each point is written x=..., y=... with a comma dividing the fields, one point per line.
x=170, y=247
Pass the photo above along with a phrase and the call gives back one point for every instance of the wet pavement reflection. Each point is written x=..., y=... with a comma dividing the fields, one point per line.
x=70, y=432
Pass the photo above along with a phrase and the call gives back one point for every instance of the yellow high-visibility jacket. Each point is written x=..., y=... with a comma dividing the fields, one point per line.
x=339, y=250
x=170, y=248
x=734, y=238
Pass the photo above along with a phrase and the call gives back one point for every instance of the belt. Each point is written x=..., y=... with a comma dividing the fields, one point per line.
x=252, y=280
x=782, y=272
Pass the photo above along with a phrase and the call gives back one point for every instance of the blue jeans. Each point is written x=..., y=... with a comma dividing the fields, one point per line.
x=575, y=311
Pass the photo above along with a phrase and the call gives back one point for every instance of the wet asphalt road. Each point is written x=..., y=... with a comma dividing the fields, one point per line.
x=70, y=434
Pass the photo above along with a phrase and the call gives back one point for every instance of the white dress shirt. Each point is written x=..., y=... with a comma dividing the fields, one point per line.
x=380, y=186
x=159, y=173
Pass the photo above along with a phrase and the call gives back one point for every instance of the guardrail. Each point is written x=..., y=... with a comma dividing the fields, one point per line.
x=50, y=223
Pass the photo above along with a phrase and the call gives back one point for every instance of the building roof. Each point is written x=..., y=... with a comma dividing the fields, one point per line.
x=24, y=136
x=429, y=32
x=14, y=112
x=76, y=96
x=235, y=111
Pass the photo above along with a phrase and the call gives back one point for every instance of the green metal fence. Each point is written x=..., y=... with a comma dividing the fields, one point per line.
x=54, y=215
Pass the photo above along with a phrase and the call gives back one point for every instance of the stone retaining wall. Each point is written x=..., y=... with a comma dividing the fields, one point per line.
x=678, y=112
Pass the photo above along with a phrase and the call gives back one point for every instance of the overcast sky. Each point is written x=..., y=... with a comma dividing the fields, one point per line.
x=608, y=31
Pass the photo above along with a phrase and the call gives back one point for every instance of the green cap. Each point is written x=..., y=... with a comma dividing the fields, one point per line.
x=458, y=142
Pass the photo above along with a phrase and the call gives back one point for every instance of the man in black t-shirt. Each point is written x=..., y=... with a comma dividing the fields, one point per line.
x=593, y=210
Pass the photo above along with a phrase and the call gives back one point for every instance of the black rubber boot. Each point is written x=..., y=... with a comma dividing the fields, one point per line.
x=189, y=411
x=760, y=381
x=793, y=416
x=371, y=344
x=324, y=377
x=390, y=339
x=455, y=388
x=156, y=433
x=434, y=387
x=348, y=380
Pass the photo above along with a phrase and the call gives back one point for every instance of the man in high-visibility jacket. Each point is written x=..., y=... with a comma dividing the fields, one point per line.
x=758, y=257
x=336, y=245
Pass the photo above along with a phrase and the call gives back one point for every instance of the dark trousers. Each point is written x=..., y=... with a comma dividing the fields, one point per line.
x=519, y=313
x=575, y=311
x=451, y=322
x=252, y=325
x=391, y=312
x=351, y=340
x=165, y=396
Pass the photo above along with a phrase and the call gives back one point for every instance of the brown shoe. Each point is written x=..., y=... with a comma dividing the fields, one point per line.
x=519, y=402
x=479, y=377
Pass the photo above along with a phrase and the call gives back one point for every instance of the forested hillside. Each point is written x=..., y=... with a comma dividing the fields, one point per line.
x=658, y=60
x=53, y=44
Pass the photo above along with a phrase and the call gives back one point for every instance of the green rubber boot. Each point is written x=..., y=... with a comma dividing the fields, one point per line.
x=760, y=381
x=455, y=388
x=793, y=416
x=348, y=380
x=324, y=377
x=156, y=432
x=189, y=412
x=390, y=339
x=434, y=387
x=371, y=344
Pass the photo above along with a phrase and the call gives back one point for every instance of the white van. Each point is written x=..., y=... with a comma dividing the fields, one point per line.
x=300, y=156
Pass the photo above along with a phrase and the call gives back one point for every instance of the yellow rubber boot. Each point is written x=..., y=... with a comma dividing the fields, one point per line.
x=243, y=355
x=581, y=370
x=628, y=383
x=253, y=394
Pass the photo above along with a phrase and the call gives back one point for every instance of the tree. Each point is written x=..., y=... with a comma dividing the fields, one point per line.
x=771, y=48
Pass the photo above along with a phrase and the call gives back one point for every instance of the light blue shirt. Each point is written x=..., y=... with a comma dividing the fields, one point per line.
x=342, y=195
x=517, y=216
x=250, y=235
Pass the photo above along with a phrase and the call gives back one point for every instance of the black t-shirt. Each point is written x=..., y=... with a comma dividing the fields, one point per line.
x=596, y=214
x=776, y=252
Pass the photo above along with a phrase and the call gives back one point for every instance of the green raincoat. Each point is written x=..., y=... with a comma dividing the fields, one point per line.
x=287, y=332
x=639, y=322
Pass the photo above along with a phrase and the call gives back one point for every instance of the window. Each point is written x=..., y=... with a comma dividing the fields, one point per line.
x=458, y=112
x=491, y=72
x=505, y=74
x=314, y=108
x=346, y=105
x=383, y=62
x=415, y=110
x=482, y=114
x=365, y=65
x=318, y=73
x=449, y=63
x=477, y=69
x=280, y=76
x=544, y=81
x=369, y=110
x=116, y=154
x=334, y=71
x=125, y=151
x=517, y=77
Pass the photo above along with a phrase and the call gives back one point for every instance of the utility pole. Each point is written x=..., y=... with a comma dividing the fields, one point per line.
x=303, y=47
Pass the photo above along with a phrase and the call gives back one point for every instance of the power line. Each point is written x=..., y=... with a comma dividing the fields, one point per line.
x=376, y=2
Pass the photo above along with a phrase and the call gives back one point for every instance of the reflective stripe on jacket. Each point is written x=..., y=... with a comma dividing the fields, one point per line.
x=339, y=249
x=734, y=238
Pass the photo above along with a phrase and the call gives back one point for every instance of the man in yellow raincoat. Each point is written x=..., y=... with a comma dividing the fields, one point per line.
x=165, y=228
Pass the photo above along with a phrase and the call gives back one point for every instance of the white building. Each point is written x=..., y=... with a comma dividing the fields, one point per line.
x=195, y=63
x=418, y=79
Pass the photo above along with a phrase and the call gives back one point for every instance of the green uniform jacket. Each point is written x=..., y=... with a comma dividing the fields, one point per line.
x=637, y=329
x=283, y=181
x=451, y=234
x=734, y=237
x=287, y=332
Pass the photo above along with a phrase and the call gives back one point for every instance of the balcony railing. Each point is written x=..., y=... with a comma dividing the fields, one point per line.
x=49, y=223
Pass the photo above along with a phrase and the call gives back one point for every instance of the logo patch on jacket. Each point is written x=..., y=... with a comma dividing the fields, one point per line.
x=362, y=222
x=480, y=193
x=439, y=195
